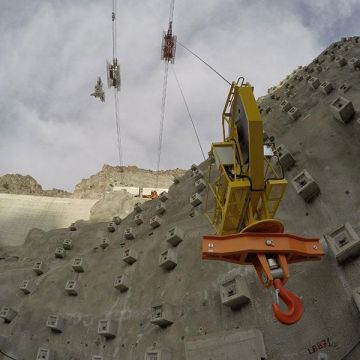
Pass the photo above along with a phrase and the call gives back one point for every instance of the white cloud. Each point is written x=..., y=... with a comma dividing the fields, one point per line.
x=52, y=129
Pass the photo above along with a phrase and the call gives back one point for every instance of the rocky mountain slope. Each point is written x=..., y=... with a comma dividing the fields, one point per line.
x=95, y=186
x=110, y=176
x=27, y=185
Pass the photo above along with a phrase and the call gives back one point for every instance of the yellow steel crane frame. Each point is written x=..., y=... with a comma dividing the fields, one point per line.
x=247, y=184
x=245, y=192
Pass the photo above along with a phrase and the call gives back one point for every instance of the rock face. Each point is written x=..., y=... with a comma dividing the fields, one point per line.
x=27, y=185
x=138, y=289
x=110, y=176
x=19, y=184
x=95, y=186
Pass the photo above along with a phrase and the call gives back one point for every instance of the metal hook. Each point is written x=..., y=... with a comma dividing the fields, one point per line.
x=293, y=303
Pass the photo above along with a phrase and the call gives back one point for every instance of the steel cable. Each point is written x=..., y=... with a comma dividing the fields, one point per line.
x=162, y=117
x=188, y=111
x=118, y=127
x=203, y=61
x=116, y=97
x=114, y=28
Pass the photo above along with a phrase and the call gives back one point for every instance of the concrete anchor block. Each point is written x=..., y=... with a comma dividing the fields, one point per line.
x=72, y=287
x=164, y=196
x=198, y=174
x=345, y=87
x=286, y=159
x=294, y=113
x=39, y=267
x=175, y=236
x=138, y=219
x=56, y=323
x=285, y=106
x=158, y=354
x=78, y=265
x=196, y=199
x=340, y=61
x=162, y=314
x=122, y=282
x=60, y=252
x=8, y=314
x=326, y=87
x=305, y=186
x=160, y=208
x=111, y=226
x=107, y=328
x=67, y=244
x=354, y=63
x=344, y=242
x=104, y=243
x=27, y=286
x=116, y=220
x=168, y=259
x=234, y=292
x=130, y=256
x=155, y=222
x=129, y=234
x=45, y=354
x=200, y=185
x=73, y=227
x=138, y=207
x=314, y=83
x=342, y=109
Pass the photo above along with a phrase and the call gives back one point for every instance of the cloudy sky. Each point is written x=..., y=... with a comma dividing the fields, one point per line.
x=53, y=50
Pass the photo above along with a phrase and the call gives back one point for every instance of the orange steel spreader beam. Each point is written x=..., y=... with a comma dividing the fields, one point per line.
x=255, y=249
x=261, y=250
